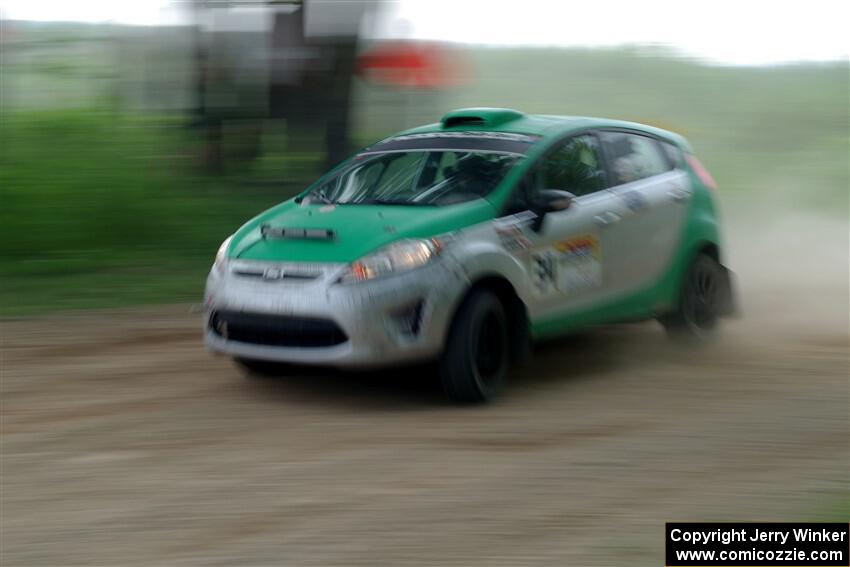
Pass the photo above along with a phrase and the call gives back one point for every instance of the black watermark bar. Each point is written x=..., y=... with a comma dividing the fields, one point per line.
x=764, y=544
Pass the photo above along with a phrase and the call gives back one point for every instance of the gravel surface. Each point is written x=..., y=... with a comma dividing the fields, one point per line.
x=125, y=443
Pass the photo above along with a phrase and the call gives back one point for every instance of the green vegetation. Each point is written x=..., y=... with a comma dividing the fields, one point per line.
x=104, y=209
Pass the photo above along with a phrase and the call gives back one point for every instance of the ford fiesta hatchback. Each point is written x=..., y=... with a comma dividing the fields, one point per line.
x=464, y=240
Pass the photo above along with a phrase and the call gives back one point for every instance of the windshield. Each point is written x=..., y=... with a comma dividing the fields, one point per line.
x=418, y=177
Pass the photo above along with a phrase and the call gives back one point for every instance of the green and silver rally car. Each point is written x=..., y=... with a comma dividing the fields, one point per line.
x=464, y=240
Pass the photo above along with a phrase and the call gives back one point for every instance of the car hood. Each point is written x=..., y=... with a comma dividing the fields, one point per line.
x=357, y=229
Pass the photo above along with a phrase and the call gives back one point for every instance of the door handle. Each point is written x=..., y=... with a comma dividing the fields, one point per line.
x=679, y=195
x=607, y=218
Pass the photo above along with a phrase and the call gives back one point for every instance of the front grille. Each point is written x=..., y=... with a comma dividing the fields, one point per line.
x=276, y=330
x=276, y=275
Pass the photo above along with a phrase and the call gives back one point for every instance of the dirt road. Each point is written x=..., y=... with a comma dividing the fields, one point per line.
x=125, y=443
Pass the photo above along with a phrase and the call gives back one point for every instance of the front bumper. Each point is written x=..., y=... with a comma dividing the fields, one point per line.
x=398, y=318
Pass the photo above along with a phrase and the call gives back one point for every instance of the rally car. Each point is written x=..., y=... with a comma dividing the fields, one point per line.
x=464, y=240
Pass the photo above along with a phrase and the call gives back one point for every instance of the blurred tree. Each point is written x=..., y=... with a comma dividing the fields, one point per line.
x=289, y=60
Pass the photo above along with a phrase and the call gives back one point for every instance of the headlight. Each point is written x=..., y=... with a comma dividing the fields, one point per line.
x=221, y=256
x=397, y=257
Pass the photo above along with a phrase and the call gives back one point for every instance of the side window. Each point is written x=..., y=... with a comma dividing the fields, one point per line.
x=575, y=166
x=674, y=155
x=632, y=157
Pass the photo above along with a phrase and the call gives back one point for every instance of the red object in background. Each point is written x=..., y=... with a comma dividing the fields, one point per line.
x=420, y=65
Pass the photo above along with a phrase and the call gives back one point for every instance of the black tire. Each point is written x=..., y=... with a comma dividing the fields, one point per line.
x=474, y=364
x=701, y=302
x=261, y=368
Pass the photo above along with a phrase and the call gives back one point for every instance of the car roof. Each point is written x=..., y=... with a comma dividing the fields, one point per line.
x=544, y=125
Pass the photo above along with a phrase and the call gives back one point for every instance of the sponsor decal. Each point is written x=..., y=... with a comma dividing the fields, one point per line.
x=579, y=246
x=268, y=231
x=511, y=234
x=568, y=267
x=512, y=238
x=273, y=274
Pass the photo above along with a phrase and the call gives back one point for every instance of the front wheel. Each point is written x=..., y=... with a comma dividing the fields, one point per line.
x=701, y=301
x=475, y=362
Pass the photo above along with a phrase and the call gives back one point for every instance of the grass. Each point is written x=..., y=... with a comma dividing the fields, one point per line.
x=102, y=209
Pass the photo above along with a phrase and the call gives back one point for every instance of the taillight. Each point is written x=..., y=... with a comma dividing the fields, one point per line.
x=701, y=172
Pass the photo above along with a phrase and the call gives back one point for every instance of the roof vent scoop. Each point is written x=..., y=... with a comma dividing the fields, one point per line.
x=486, y=117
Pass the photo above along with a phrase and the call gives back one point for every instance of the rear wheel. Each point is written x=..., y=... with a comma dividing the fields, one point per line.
x=700, y=301
x=474, y=365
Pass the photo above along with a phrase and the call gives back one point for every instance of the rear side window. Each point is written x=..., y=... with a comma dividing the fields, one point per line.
x=632, y=157
x=674, y=155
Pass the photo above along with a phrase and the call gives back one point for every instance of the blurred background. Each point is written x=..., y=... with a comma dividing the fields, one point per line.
x=136, y=135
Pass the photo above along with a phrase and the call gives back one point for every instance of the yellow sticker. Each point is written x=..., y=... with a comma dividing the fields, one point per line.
x=584, y=244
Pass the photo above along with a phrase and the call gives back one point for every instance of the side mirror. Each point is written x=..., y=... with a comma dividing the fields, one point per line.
x=549, y=201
